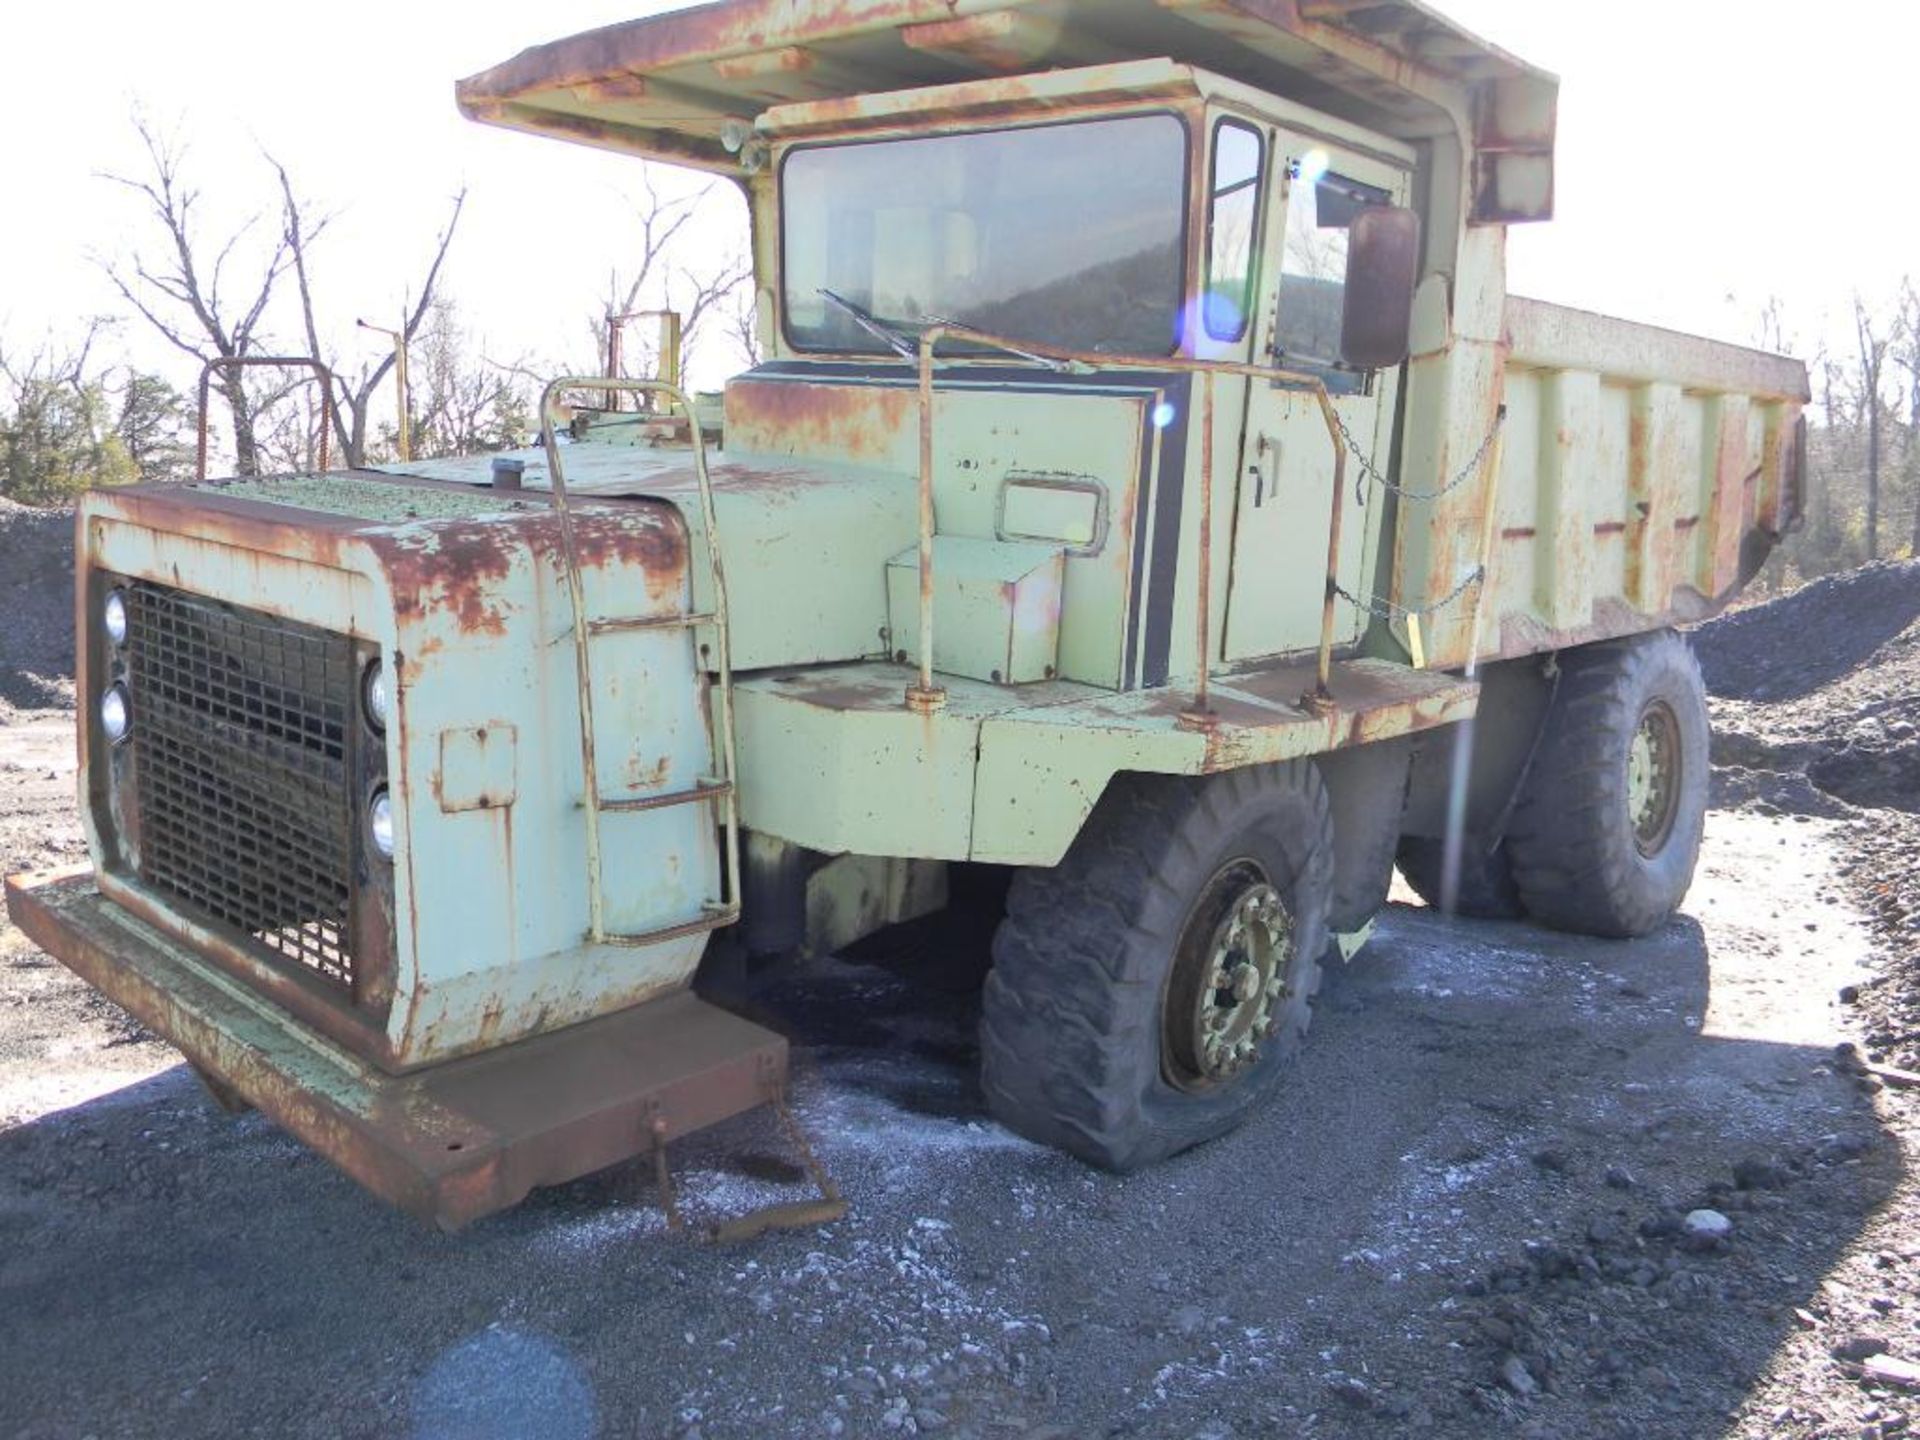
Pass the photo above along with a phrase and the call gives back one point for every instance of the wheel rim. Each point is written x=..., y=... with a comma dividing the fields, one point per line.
x=1653, y=777
x=1231, y=973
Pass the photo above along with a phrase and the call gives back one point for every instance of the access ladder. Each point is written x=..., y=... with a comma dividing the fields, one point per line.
x=719, y=788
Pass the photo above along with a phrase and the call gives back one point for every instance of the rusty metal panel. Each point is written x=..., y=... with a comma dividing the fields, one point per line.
x=479, y=768
x=1636, y=468
x=804, y=499
x=832, y=760
x=973, y=102
x=1726, y=499
x=1558, y=337
x=1655, y=473
x=1568, y=478
x=1042, y=769
x=449, y=1144
x=458, y=591
x=999, y=604
x=666, y=85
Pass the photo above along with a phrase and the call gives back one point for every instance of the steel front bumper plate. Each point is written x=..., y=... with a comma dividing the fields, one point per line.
x=451, y=1143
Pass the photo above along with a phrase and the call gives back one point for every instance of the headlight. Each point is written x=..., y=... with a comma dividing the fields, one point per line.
x=373, y=693
x=380, y=822
x=116, y=715
x=113, y=615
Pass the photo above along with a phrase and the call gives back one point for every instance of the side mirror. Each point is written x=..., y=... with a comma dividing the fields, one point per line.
x=1383, y=267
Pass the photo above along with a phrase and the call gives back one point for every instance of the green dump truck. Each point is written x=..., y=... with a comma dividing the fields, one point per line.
x=1150, y=488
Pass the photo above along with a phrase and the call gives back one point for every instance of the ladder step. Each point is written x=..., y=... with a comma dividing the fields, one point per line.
x=705, y=790
x=650, y=622
x=715, y=915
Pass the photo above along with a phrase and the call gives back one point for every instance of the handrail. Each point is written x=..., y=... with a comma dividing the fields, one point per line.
x=728, y=907
x=926, y=696
x=329, y=413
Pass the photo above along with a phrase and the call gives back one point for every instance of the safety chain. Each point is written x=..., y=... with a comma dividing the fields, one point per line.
x=1387, y=610
x=1370, y=471
x=796, y=1137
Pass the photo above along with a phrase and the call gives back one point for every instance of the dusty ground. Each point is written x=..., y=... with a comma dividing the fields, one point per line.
x=1462, y=1222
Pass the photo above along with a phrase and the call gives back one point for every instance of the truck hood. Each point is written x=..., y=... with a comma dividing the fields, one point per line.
x=805, y=543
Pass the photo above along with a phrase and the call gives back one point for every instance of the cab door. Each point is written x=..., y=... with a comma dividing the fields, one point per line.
x=1285, y=484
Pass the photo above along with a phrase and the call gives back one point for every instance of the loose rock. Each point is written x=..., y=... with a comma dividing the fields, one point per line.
x=1705, y=1227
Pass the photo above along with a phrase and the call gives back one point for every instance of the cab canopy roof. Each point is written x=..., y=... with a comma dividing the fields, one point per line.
x=666, y=86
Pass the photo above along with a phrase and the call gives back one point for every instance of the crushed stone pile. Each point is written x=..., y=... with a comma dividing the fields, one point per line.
x=36, y=608
x=1816, y=711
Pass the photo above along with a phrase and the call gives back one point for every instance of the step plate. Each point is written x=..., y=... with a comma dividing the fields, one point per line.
x=450, y=1143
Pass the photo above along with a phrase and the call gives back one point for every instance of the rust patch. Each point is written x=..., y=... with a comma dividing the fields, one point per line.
x=828, y=691
x=613, y=87
x=451, y=1142
x=856, y=424
x=787, y=60
x=652, y=537
x=636, y=45
x=455, y=567
x=994, y=40
x=352, y=1028
x=458, y=566
x=641, y=775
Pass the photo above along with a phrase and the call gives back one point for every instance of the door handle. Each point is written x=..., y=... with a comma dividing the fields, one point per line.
x=1261, y=446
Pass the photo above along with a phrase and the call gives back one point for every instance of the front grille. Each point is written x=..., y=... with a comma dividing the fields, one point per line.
x=240, y=740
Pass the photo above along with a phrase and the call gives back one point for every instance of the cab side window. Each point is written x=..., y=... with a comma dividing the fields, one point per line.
x=1233, y=224
x=1313, y=268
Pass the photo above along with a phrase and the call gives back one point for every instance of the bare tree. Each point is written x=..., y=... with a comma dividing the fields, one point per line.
x=462, y=408
x=696, y=292
x=743, y=323
x=189, y=301
x=1907, y=353
x=289, y=432
x=1873, y=364
x=353, y=399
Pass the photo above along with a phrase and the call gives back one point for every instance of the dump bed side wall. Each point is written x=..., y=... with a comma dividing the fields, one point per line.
x=1638, y=479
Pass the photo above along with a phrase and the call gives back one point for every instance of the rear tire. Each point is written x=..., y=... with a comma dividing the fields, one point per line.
x=1148, y=991
x=1607, y=831
x=1484, y=888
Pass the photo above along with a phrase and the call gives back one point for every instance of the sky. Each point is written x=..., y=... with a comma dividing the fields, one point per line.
x=1713, y=154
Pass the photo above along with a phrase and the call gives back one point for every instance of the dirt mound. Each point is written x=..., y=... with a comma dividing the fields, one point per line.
x=1824, y=683
x=1816, y=711
x=1793, y=646
x=36, y=599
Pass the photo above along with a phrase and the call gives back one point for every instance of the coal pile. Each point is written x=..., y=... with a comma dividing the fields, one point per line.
x=1818, y=693
x=36, y=608
x=1816, y=711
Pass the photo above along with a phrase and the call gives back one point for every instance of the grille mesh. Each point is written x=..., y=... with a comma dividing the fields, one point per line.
x=240, y=739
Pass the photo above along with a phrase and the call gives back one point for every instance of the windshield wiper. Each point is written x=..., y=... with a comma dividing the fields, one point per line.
x=901, y=345
x=962, y=329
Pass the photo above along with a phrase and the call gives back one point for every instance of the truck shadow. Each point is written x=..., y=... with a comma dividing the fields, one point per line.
x=1436, y=1191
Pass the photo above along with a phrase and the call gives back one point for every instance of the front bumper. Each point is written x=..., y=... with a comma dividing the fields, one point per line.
x=450, y=1143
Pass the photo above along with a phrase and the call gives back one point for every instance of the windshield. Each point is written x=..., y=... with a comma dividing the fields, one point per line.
x=1067, y=234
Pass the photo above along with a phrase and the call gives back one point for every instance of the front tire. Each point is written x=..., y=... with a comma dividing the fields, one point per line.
x=1607, y=832
x=1148, y=991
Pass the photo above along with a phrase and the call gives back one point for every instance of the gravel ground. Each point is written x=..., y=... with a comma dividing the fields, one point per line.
x=1468, y=1217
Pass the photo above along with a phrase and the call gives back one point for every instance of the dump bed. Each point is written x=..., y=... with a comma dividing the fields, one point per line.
x=1637, y=477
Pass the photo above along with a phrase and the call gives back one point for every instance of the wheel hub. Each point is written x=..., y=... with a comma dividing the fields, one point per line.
x=1653, y=777
x=1229, y=980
